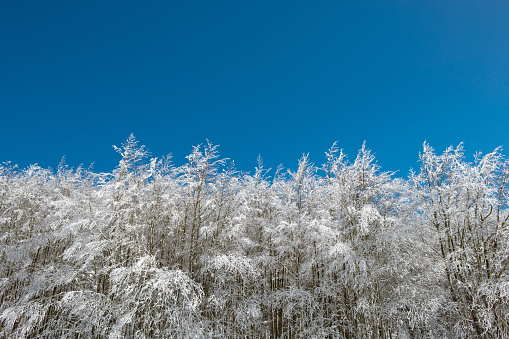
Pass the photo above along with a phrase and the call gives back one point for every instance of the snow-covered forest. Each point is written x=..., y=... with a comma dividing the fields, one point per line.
x=339, y=250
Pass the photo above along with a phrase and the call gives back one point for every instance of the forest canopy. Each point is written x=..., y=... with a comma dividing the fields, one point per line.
x=201, y=250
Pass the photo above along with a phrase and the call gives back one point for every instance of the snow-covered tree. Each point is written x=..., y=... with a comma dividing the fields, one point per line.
x=154, y=250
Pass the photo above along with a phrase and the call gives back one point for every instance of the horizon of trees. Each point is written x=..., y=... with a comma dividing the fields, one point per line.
x=201, y=250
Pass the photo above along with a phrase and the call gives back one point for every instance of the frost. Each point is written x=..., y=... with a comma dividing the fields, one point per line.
x=201, y=250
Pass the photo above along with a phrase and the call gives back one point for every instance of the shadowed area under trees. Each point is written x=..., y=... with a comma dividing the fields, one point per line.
x=342, y=250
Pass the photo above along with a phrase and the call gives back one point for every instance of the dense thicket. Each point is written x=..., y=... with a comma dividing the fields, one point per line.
x=344, y=250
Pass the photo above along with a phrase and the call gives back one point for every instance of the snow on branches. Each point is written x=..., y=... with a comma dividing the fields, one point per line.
x=343, y=250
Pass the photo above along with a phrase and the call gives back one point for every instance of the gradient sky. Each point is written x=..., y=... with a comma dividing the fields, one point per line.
x=265, y=77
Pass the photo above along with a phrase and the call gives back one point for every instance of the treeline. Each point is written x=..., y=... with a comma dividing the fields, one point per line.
x=343, y=250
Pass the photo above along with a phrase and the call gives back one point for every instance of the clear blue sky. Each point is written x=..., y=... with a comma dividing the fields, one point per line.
x=264, y=77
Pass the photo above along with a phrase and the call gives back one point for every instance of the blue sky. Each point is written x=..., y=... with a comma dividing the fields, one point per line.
x=266, y=77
